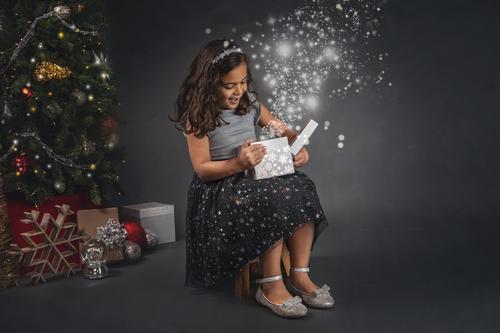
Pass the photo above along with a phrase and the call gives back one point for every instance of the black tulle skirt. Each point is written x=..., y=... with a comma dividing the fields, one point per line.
x=233, y=220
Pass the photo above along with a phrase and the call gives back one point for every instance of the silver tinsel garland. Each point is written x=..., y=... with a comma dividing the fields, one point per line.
x=58, y=158
x=59, y=12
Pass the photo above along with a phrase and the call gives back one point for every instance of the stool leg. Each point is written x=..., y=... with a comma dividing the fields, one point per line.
x=242, y=283
x=246, y=281
x=254, y=267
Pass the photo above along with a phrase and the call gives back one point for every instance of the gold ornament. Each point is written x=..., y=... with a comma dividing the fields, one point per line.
x=46, y=71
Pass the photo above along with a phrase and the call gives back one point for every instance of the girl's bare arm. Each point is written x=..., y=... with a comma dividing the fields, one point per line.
x=204, y=167
x=199, y=152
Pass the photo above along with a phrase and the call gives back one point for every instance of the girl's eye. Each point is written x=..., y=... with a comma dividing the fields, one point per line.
x=232, y=86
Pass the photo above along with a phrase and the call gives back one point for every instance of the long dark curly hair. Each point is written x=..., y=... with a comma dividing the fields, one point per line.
x=197, y=102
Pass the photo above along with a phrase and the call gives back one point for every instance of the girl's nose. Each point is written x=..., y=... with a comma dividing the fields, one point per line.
x=239, y=90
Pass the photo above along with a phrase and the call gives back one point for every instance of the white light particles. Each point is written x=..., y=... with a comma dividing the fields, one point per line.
x=296, y=54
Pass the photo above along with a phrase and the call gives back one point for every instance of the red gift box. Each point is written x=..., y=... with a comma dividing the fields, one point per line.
x=16, y=206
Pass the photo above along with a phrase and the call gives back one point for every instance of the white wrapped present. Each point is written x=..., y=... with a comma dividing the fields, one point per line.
x=155, y=216
x=277, y=162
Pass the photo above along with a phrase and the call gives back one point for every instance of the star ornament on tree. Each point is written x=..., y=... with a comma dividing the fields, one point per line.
x=100, y=59
x=51, y=243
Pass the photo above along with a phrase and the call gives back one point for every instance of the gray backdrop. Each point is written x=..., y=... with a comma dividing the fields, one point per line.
x=420, y=157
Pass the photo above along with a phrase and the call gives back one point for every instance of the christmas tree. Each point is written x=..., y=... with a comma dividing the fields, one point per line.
x=57, y=101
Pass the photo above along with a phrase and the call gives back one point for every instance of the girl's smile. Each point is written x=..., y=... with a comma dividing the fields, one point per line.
x=233, y=85
x=234, y=101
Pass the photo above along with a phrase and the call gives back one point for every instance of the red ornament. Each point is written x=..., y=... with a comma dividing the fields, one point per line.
x=27, y=92
x=135, y=232
x=21, y=164
x=108, y=124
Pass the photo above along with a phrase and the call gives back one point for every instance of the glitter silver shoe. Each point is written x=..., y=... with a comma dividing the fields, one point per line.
x=319, y=298
x=291, y=308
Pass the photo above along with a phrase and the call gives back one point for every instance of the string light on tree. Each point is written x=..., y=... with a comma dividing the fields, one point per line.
x=59, y=186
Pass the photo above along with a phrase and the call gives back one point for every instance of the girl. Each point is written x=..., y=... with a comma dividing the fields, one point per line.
x=232, y=218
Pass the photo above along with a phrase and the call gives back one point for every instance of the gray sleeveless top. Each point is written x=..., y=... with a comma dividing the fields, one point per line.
x=226, y=139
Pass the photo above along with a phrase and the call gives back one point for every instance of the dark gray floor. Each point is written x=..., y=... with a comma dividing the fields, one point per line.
x=450, y=287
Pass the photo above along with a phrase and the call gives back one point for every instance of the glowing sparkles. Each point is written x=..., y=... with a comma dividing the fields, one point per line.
x=299, y=52
x=284, y=49
x=208, y=31
x=341, y=137
x=340, y=145
x=246, y=37
x=312, y=102
x=326, y=125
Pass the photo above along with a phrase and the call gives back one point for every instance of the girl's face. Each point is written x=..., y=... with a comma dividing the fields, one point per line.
x=232, y=86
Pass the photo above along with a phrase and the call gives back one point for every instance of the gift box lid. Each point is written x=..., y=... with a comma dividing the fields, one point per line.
x=147, y=209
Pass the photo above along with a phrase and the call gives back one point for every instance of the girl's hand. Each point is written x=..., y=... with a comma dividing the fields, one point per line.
x=301, y=158
x=277, y=127
x=251, y=155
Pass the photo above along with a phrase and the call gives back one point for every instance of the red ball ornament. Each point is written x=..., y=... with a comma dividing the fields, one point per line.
x=27, y=92
x=21, y=164
x=135, y=232
x=108, y=125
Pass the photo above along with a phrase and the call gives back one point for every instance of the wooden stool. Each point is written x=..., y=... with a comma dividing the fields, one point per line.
x=242, y=280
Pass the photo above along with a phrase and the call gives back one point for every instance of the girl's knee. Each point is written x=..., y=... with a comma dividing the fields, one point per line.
x=277, y=243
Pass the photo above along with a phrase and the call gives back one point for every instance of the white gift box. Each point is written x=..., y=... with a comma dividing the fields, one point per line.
x=277, y=162
x=155, y=216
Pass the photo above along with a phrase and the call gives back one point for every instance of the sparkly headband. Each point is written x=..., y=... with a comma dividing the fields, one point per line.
x=225, y=53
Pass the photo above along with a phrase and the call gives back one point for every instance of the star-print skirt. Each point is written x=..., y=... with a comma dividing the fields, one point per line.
x=233, y=220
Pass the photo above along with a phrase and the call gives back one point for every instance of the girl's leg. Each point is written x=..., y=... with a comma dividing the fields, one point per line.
x=270, y=262
x=299, y=245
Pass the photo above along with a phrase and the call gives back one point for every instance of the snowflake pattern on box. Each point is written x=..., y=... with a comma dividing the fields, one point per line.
x=51, y=243
x=277, y=162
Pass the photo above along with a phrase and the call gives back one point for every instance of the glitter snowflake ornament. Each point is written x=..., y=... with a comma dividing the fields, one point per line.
x=112, y=233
